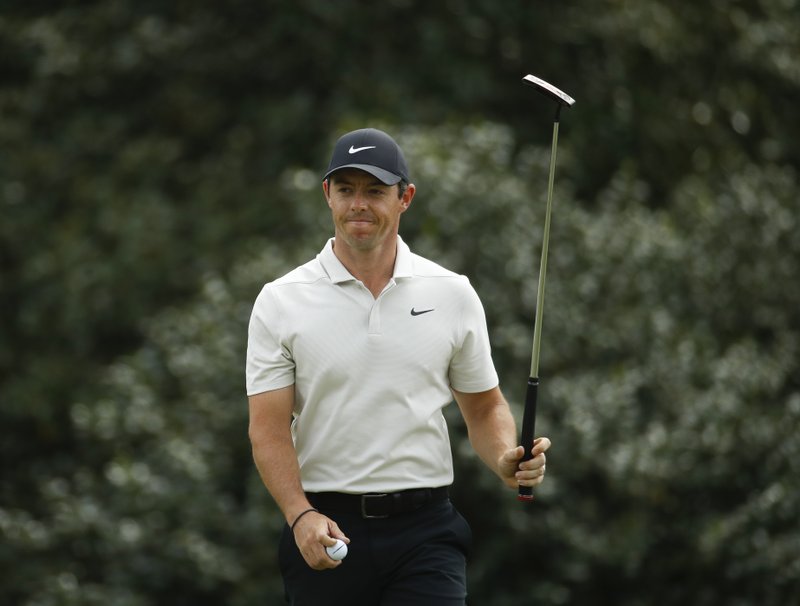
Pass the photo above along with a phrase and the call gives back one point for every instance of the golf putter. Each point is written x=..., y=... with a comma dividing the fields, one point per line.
x=529, y=415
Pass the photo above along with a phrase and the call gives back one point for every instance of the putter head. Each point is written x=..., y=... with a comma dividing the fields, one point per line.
x=559, y=96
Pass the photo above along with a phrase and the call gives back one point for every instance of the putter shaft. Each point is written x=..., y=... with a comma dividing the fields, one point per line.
x=537, y=327
x=529, y=416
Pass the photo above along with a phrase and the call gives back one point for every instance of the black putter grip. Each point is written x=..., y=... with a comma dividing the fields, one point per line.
x=526, y=435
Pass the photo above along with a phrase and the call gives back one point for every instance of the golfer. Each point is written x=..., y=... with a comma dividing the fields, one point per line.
x=350, y=360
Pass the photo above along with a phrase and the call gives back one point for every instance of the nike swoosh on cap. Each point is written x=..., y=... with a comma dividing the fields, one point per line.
x=355, y=150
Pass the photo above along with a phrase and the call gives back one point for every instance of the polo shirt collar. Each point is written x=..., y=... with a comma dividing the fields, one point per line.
x=403, y=265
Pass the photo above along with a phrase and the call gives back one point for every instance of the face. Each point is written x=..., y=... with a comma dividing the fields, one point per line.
x=366, y=212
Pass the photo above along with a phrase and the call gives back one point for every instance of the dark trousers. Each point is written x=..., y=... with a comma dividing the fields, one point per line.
x=416, y=558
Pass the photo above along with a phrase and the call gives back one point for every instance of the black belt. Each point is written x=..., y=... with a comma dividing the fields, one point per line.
x=377, y=505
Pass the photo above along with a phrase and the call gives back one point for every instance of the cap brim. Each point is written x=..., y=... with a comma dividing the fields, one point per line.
x=384, y=176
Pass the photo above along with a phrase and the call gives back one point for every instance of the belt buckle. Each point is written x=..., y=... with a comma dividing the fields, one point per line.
x=364, y=513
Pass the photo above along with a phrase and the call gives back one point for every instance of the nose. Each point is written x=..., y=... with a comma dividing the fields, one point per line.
x=359, y=201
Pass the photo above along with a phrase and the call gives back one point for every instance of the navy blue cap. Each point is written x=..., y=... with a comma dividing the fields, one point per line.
x=370, y=150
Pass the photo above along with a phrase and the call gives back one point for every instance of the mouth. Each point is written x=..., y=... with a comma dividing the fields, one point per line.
x=360, y=220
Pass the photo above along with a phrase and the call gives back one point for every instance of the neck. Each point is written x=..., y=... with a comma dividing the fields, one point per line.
x=373, y=267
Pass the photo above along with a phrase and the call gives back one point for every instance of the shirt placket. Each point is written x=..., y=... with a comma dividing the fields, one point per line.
x=375, y=310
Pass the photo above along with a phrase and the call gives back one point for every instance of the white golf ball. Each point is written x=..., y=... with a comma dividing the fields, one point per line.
x=337, y=551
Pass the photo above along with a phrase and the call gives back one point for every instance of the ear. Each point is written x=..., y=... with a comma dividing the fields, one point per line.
x=326, y=191
x=408, y=196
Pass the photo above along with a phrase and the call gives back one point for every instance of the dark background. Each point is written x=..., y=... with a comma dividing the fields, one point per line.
x=160, y=161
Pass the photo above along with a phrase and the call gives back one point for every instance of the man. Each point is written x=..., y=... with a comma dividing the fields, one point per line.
x=351, y=359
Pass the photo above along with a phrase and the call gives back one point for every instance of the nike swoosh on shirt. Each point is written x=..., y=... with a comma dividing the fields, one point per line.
x=355, y=150
x=414, y=312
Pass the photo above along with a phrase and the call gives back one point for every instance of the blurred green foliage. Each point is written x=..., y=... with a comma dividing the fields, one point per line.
x=161, y=161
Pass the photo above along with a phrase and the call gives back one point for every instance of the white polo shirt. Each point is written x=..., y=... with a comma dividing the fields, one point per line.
x=371, y=375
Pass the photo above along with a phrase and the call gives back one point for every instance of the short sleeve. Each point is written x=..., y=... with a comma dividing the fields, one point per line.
x=472, y=369
x=270, y=364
